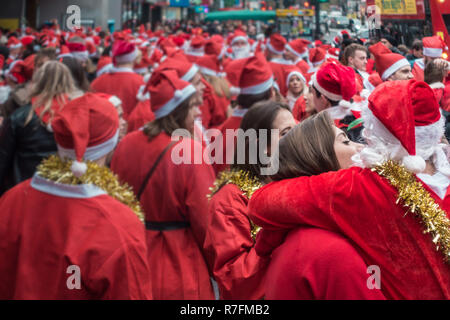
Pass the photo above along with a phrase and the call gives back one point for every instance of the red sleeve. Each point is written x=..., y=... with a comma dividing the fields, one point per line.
x=205, y=109
x=229, y=247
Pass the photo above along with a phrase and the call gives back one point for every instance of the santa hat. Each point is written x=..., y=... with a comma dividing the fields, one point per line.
x=78, y=50
x=411, y=120
x=433, y=47
x=333, y=53
x=16, y=72
x=299, y=47
x=181, y=65
x=387, y=62
x=317, y=43
x=210, y=65
x=236, y=36
x=373, y=81
x=13, y=43
x=116, y=102
x=168, y=91
x=335, y=81
x=276, y=43
x=123, y=52
x=104, y=65
x=214, y=47
x=197, y=42
x=317, y=56
x=87, y=128
x=251, y=75
x=26, y=40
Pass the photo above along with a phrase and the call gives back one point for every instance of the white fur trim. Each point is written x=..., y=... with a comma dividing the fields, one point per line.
x=190, y=74
x=300, y=55
x=174, y=102
x=329, y=95
x=259, y=88
x=80, y=55
x=234, y=91
x=209, y=72
x=147, y=77
x=295, y=73
x=105, y=69
x=414, y=164
x=393, y=68
x=432, y=52
x=437, y=85
x=239, y=38
x=141, y=96
x=115, y=101
x=271, y=48
x=126, y=58
x=78, y=168
x=282, y=61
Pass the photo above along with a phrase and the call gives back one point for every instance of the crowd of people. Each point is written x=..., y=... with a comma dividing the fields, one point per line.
x=98, y=132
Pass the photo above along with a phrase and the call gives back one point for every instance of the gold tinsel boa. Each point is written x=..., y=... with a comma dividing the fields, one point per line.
x=54, y=169
x=244, y=181
x=419, y=201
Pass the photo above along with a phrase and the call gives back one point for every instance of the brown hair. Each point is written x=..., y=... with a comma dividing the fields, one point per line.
x=351, y=50
x=308, y=149
x=171, y=122
x=259, y=117
x=434, y=73
x=49, y=53
x=245, y=101
x=220, y=85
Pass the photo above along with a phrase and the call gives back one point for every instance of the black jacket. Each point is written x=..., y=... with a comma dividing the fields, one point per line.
x=22, y=147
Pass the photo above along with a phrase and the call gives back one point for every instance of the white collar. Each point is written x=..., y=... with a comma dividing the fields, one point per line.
x=420, y=63
x=121, y=69
x=438, y=182
x=437, y=85
x=282, y=61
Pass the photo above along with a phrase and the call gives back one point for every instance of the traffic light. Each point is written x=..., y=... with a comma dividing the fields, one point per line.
x=306, y=4
x=263, y=5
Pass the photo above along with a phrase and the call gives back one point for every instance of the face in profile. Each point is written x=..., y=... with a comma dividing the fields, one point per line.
x=402, y=74
x=198, y=84
x=344, y=148
x=194, y=112
x=284, y=121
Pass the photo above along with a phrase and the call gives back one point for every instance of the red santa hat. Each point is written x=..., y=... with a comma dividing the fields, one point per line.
x=317, y=43
x=276, y=43
x=236, y=36
x=87, y=128
x=412, y=120
x=116, y=102
x=210, y=65
x=335, y=81
x=299, y=47
x=13, y=43
x=251, y=75
x=317, y=56
x=387, y=62
x=373, y=81
x=168, y=91
x=26, y=40
x=78, y=50
x=16, y=72
x=104, y=65
x=433, y=47
x=333, y=53
x=123, y=52
x=214, y=47
x=197, y=42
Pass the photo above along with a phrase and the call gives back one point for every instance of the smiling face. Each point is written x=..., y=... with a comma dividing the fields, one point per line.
x=344, y=148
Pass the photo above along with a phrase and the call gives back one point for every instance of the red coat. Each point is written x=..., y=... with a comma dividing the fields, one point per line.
x=315, y=264
x=361, y=205
x=125, y=85
x=214, y=108
x=280, y=69
x=304, y=67
x=229, y=247
x=232, y=123
x=40, y=238
x=140, y=115
x=417, y=70
x=175, y=192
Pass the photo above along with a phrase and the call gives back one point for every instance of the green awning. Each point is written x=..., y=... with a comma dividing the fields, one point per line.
x=240, y=15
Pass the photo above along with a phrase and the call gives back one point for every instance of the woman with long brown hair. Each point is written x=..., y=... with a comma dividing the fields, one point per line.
x=26, y=137
x=230, y=237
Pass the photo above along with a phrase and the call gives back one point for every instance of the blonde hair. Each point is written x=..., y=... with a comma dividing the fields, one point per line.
x=52, y=81
x=220, y=85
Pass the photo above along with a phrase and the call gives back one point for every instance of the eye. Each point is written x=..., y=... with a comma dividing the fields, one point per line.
x=347, y=142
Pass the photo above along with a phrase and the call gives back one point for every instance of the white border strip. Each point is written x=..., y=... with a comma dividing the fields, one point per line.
x=300, y=55
x=393, y=68
x=271, y=48
x=432, y=52
x=329, y=95
x=190, y=74
x=174, y=102
x=259, y=88
x=126, y=58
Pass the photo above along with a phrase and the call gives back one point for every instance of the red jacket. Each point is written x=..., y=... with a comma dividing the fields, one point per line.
x=214, y=108
x=418, y=69
x=229, y=247
x=125, y=85
x=315, y=264
x=175, y=192
x=361, y=205
x=60, y=226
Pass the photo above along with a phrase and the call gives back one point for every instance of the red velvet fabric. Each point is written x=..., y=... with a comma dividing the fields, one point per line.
x=124, y=85
x=141, y=115
x=418, y=72
x=360, y=205
x=299, y=110
x=229, y=247
x=214, y=108
x=45, y=234
x=175, y=192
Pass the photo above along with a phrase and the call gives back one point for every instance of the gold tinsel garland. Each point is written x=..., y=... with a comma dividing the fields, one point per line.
x=243, y=181
x=419, y=201
x=54, y=169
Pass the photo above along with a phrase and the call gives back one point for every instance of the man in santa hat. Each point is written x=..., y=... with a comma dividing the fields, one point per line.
x=355, y=57
x=393, y=206
x=297, y=52
x=333, y=87
x=390, y=66
x=81, y=232
x=433, y=47
x=239, y=44
x=121, y=80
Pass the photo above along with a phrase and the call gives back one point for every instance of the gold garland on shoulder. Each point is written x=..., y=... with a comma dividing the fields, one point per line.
x=54, y=169
x=419, y=201
x=245, y=182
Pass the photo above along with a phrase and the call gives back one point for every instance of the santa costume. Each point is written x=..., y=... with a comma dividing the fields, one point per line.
x=121, y=81
x=433, y=47
x=395, y=215
x=76, y=217
x=173, y=197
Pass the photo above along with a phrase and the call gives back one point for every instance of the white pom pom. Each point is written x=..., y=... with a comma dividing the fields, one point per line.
x=78, y=168
x=345, y=104
x=178, y=94
x=414, y=164
x=235, y=91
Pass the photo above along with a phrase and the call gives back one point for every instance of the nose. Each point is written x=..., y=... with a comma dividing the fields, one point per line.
x=358, y=146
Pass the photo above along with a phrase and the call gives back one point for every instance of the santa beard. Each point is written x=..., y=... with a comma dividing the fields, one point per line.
x=241, y=52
